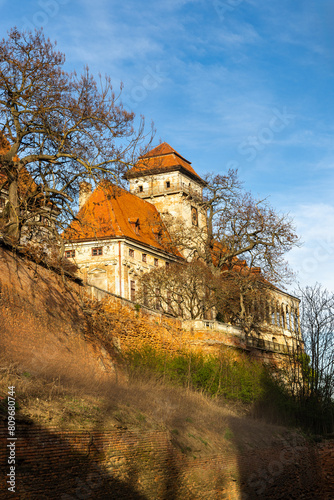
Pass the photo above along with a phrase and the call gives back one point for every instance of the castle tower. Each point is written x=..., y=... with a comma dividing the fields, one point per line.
x=167, y=180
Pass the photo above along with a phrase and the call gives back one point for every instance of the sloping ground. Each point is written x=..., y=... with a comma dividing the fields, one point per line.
x=149, y=441
x=42, y=325
x=83, y=434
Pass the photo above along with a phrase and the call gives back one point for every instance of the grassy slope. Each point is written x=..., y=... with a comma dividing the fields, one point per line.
x=65, y=378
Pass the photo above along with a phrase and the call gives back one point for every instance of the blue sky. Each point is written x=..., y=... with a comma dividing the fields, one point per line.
x=246, y=84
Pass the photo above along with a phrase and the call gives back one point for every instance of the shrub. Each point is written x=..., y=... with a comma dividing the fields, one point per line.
x=239, y=380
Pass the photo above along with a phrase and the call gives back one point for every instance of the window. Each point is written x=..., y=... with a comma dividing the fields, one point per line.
x=145, y=295
x=131, y=252
x=44, y=220
x=179, y=305
x=156, y=262
x=70, y=254
x=194, y=216
x=96, y=251
x=140, y=189
x=132, y=291
x=169, y=303
x=273, y=317
x=157, y=299
x=144, y=257
x=167, y=184
x=296, y=322
x=167, y=265
x=2, y=203
x=282, y=317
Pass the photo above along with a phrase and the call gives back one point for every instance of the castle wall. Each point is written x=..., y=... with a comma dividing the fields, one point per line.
x=119, y=267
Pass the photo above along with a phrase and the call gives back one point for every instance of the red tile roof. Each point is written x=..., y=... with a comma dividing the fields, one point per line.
x=26, y=182
x=113, y=212
x=163, y=158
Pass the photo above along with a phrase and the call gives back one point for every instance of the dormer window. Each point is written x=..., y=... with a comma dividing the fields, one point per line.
x=135, y=225
x=157, y=235
x=167, y=184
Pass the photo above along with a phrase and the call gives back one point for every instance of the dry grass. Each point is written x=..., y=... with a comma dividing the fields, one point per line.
x=198, y=425
x=66, y=376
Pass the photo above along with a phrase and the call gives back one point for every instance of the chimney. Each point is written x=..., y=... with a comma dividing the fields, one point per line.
x=85, y=190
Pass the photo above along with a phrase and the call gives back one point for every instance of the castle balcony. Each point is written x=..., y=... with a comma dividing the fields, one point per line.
x=267, y=345
x=158, y=190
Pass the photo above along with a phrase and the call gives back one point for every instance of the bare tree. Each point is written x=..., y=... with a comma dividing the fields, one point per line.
x=238, y=228
x=190, y=290
x=242, y=299
x=241, y=246
x=61, y=128
x=185, y=290
x=317, y=325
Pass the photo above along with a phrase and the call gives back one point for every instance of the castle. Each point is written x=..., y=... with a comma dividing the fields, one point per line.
x=121, y=234
x=118, y=235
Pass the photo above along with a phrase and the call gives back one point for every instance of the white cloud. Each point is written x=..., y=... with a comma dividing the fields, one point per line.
x=314, y=261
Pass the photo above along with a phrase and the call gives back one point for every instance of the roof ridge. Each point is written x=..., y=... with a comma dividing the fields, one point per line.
x=166, y=149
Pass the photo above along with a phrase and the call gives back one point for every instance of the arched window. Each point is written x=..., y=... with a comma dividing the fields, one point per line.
x=273, y=313
x=267, y=311
x=296, y=321
x=283, y=322
x=277, y=314
x=288, y=318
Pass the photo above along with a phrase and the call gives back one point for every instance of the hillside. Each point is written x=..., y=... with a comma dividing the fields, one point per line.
x=78, y=411
x=42, y=323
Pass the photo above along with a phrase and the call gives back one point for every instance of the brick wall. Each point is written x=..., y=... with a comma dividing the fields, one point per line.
x=123, y=464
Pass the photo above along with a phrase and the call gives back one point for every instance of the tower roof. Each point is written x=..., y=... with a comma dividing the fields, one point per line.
x=162, y=158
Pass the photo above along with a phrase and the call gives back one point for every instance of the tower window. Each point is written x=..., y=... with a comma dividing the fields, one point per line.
x=140, y=189
x=167, y=184
x=194, y=216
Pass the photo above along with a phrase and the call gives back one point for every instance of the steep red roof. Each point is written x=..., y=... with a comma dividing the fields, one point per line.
x=112, y=212
x=163, y=158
